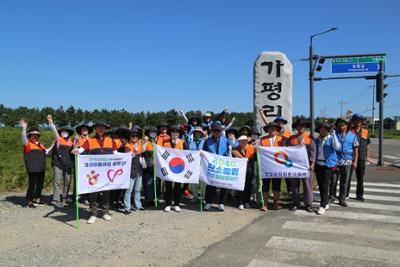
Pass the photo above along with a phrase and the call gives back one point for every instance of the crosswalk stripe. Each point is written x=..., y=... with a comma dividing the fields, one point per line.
x=373, y=206
x=379, y=184
x=372, y=197
x=354, y=216
x=267, y=263
x=355, y=230
x=377, y=190
x=331, y=249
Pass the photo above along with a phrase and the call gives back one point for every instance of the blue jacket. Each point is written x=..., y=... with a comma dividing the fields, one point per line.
x=233, y=144
x=193, y=145
x=329, y=152
x=346, y=151
x=220, y=148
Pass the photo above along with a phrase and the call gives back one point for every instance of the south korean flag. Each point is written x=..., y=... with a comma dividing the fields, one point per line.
x=175, y=165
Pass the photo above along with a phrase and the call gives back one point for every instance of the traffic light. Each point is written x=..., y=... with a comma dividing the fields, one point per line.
x=380, y=87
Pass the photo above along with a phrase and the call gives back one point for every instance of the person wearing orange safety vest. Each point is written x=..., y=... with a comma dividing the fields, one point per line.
x=357, y=121
x=173, y=189
x=272, y=139
x=134, y=146
x=148, y=172
x=245, y=150
x=35, y=163
x=63, y=162
x=100, y=144
x=302, y=138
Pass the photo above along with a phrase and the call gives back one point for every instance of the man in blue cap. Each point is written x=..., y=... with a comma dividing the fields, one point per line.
x=357, y=121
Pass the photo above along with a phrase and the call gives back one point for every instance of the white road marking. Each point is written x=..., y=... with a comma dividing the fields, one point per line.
x=348, y=229
x=354, y=216
x=267, y=263
x=324, y=249
x=373, y=206
x=378, y=184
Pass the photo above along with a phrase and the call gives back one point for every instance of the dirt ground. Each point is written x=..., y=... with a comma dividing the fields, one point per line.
x=46, y=236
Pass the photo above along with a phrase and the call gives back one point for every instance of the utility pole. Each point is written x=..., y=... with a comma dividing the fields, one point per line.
x=373, y=109
x=341, y=102
x=381, y=85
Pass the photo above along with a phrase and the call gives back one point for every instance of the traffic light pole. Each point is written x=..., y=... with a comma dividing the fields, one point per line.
x=381, y=85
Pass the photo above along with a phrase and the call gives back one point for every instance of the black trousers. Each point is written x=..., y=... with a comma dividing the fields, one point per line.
x=244, y=196
x=211, y=191
x=35, y=185
x=172, y=189
x=276, y=184
x=360, y=172
x=99, y=197
x=323, y=174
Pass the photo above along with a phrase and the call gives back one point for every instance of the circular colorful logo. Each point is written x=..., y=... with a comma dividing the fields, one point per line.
x=282, y=158
x=177, y=165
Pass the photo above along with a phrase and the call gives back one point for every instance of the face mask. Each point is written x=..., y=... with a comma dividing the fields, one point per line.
x=64, y=134
x=153, y=135
x=254, y=137
x=174, y=135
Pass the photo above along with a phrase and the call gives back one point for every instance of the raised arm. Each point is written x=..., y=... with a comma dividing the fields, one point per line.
x=227, y=127
x=183, y=115
x=53, y=127
x=23, y=124
x=263, y=117
x=336, y=144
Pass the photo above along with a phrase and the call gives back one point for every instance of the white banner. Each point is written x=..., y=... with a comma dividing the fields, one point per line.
x=224, y=172
x=176, y=165
x=103, y=172
x=284, y=162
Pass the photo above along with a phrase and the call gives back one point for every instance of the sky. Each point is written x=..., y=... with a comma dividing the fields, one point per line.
x=196, y=55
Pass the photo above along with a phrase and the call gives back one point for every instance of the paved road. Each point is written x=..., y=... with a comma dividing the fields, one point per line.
x=391, y=150
x=364, y=234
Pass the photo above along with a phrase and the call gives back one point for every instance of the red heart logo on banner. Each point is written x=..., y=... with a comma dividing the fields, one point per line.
x=111, y=174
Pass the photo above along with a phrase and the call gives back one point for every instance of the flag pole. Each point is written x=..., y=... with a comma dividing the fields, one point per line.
x=201, y=196
x=154, y=175
x=259, y=177
x=76, y=192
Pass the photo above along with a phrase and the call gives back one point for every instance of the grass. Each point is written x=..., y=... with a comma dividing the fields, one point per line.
x=13, y=174
x=387, y=134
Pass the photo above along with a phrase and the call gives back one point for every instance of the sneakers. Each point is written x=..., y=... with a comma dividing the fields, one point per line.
x=241, y=207
x=167, y=209
x=60, y=205
x=247, y=205
x=31, y=205
x=68, y=200
x=177, y=209
x=360, y=199
x=107, y=217
x=91, y=220
x=207, y=206
x=221, y=207
x=327, y=207
x=321, y=211
x=194, y=199
x=187, y=193
x=127, y=212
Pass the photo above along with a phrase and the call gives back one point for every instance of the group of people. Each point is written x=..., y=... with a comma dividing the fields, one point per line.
x=338, y=151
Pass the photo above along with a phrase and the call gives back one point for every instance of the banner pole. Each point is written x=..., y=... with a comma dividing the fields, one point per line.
x=259, y=177
x=76, y=192
x=201, y=196
x=154, y=175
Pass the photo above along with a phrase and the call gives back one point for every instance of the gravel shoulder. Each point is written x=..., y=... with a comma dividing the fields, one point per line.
x=46, y=236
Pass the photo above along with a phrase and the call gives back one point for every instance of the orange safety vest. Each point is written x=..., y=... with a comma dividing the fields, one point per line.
x=82, y=140
x=63, y=142
x=294, y=140
x=249, y=151
x=265, y=141
x=286, y=134
x=118, y=142
x=33, y=146
x=94, y=144
x=178, y=145
x=161, y=140
x=364, y=132
x=131, y=147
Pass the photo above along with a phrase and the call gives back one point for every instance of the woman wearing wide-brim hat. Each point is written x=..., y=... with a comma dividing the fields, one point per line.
x=35, y=163
x=197, y=143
